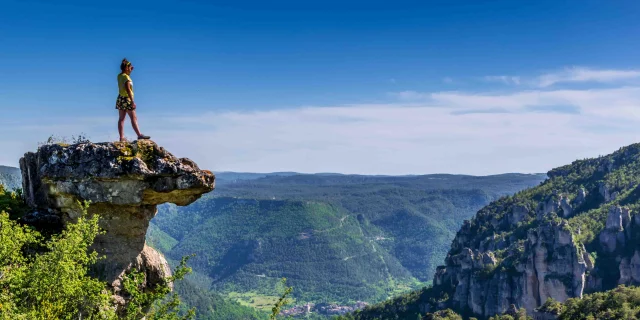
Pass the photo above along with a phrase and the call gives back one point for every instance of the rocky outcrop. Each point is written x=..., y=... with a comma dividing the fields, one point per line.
x=605, y=192
x=558, y=203
x=550, y=265
x=518, y=214
x=554, y=265
x=580, y=198
x=613, y=235
x=123, y=182
x=543, y=262
x=618, y=251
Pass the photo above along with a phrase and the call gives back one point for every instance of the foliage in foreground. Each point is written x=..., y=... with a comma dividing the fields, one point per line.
x=143, y=300
x=47, y=278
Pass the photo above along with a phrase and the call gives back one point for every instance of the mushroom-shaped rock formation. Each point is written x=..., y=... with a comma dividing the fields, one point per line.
x=124, y=182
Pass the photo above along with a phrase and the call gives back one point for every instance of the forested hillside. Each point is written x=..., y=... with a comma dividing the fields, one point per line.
x=337, y=238
x=575, y=234
x=418, y=214
x=248, y=245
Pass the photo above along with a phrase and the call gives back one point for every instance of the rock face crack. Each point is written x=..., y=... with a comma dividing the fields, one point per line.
x=124, y=183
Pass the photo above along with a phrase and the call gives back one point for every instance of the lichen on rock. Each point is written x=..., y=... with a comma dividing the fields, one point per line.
x=123, y=182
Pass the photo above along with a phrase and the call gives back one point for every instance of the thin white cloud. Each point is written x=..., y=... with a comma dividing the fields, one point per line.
x=582, y=74
x=512, y=80
x=568, y=75
x=453, y=132
x=410, y=95
x=447, y=80
x=622, y=103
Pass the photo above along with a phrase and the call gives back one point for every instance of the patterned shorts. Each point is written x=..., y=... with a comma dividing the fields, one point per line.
x=123, y=103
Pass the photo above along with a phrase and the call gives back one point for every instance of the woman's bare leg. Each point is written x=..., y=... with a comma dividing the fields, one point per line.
x=121, y=116
x=134, y=121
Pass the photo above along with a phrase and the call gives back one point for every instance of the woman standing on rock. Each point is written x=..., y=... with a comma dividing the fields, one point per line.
x=125, y=103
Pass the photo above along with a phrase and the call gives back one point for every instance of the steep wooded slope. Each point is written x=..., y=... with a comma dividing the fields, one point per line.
x=574, y=234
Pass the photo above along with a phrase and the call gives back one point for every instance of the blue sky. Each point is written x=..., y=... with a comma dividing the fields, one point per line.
x=378, y=87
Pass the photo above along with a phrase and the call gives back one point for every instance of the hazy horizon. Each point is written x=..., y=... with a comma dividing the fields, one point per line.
x=349, y=174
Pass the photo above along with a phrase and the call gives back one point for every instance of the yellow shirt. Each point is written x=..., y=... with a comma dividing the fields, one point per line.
x=122, y=89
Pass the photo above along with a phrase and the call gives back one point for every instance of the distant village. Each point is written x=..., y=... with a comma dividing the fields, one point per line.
x=322, y=308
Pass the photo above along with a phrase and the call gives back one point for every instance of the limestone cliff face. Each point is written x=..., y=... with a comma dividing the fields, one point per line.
x=618, y=248
x=549, y=263
x=124, y=183
x=541, y=243
x=546, y=264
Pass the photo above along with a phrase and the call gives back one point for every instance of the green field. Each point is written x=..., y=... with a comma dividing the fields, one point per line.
x=255, y=300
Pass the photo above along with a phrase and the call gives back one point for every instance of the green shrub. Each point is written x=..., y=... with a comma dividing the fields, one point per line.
x=141, y=301
x=446, y=314
x=48, y=278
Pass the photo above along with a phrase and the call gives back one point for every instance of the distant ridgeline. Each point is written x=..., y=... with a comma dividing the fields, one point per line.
x=336, y=238
x=10, y=177
x=574, y=236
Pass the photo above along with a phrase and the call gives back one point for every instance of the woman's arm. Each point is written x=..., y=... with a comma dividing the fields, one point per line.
x=130, y=93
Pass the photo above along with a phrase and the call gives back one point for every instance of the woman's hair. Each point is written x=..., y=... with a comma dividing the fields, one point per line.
x=125, y=63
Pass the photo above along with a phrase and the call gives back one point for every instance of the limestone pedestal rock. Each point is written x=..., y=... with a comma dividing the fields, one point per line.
x=124, y=183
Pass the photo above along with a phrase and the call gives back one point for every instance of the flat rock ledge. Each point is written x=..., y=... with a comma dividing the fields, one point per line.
x=124, y=182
